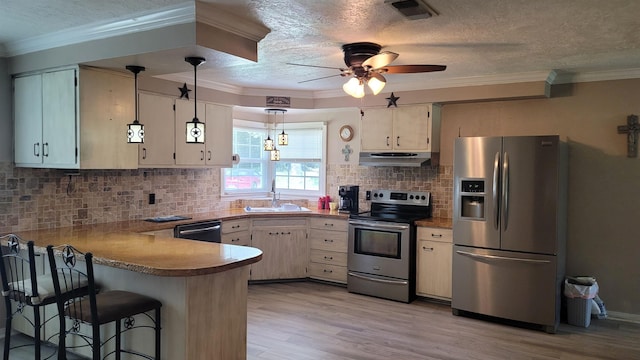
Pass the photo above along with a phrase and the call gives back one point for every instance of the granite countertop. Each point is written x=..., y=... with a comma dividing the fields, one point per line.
x=122, y=244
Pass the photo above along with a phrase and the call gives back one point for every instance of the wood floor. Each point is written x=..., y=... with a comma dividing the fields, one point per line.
x=306, y=320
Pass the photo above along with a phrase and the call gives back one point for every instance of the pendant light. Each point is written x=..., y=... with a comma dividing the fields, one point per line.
x=195, y=128
x=283, y=138
x=135, y=130
x=268, y=142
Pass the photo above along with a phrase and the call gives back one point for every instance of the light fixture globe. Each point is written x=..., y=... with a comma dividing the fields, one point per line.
x=135, y=130
x=376, y=83
x=195, y=129
x=354, y=87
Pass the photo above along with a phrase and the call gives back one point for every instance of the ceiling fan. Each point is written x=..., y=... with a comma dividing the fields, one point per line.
x=366, y=64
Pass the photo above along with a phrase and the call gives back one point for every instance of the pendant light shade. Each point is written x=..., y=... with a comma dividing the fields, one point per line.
x=195, y=128
x=268, y=143
x=354, y=87
x=275, y=154
x=135, y=130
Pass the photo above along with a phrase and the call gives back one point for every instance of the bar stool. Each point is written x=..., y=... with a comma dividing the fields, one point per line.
x=96, y=309
x=22, y=287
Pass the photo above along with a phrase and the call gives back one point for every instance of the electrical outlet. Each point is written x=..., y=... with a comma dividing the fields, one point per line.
x=368, y=195
x=152, y=199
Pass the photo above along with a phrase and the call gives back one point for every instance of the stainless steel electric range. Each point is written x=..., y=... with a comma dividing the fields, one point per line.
x=381, y=258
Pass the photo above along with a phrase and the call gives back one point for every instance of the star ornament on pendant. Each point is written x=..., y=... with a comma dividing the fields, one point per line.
x=392, y=100
x=184, y=91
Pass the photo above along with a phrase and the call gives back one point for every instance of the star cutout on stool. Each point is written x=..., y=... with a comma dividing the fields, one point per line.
x=184, y=91
x=392, y=100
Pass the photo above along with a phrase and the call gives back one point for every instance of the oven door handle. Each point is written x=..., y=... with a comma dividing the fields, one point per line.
x=385, y=281
x=199, y=230
x=379, y=225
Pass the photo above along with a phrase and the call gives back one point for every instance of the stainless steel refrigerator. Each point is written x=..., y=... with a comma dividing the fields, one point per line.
x=509, y=226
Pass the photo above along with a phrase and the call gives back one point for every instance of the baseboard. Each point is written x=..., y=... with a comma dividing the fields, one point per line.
x=620, y=316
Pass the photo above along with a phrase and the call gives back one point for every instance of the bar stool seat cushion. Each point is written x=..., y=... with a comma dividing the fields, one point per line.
x=22, y=291
x=114, y=305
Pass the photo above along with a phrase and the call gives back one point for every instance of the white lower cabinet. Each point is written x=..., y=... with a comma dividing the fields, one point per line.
x=284, y=248
x=433, y=263
x=236, y=232
x=328, y=249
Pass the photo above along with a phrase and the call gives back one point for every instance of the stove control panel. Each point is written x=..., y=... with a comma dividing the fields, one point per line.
x=422, y=198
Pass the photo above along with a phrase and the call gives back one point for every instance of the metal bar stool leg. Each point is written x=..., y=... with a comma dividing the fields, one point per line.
x=7, y=333
x=158, y=329
x=118, y=340
x=36, y=330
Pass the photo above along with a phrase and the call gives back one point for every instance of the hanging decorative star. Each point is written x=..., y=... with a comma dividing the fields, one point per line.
x=392, y=100
x=184, y=91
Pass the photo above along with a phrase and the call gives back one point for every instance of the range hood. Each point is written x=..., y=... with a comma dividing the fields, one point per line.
x=404, y=159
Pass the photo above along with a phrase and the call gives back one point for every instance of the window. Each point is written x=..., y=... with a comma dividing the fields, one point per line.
x=300, y=170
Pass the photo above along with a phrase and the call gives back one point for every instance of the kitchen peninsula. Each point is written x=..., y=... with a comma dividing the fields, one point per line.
x=202, y=286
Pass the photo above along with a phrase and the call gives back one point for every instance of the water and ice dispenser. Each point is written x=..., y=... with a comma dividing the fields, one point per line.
x=472, y=199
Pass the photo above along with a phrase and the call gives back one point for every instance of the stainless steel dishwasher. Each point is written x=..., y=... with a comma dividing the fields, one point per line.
x=208, y=230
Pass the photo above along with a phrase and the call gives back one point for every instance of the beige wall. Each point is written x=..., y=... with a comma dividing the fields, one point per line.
x=604, y=185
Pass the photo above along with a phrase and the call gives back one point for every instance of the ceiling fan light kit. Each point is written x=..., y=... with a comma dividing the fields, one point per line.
x=195, y=128
x=366, y=64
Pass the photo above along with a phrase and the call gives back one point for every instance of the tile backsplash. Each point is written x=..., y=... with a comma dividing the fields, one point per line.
x=48, y=198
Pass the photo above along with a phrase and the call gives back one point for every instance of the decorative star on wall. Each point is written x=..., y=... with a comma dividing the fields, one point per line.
x=184, y=91
x=392, y=100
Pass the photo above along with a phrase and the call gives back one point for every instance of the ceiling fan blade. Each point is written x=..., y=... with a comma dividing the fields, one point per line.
x=316, y=66
x=320, y=78
x=381, y=60
x=406, y=69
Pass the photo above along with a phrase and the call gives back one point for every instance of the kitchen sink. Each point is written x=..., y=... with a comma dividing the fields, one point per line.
x=284, y=208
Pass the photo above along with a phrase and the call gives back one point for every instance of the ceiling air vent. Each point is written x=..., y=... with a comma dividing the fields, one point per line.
x=413, y=9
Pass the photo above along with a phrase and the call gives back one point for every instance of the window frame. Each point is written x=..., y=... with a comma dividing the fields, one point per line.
x=264, y=192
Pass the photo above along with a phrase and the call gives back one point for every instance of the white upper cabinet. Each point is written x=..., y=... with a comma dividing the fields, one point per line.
x=165, y=143
x=74, y=118
x=157, y=115
x=406, y=128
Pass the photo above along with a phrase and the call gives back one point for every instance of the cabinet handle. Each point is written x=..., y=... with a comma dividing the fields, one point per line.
x=36, y=149
x=398, y=141
x=326, y=224
x=287, y=233
x=271, y=233
x=387, y=141
x=201, y=155
x=327, y=271
x=328, y=240
x=234, y=240
x=235, y=226
x=328, y=257
x=209, y=152
x=45, y=149
x=427, y=249
x=436, y=235
x=144, y=153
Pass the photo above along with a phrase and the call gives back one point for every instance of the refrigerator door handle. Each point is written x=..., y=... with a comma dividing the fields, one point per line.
x=496, y=257
x=505, y=191
x=496, y=174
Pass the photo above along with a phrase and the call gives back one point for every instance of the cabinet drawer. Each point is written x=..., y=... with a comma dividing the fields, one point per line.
x=328, y=257
x=328, y=272
x=237, y=238
x=434, y=269
x=235, y=225
x=328, y=224
x=328, y=240
x=435, y=234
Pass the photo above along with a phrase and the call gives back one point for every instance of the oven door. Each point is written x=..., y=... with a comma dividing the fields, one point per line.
x=379, y=248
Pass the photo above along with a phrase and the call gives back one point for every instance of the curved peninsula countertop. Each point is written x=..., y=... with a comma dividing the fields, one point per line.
x=117, y=246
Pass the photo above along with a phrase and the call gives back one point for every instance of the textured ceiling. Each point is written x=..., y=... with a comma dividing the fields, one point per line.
x=475, y=39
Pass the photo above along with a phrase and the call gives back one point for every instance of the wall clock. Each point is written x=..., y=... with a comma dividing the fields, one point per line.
x=346, y=133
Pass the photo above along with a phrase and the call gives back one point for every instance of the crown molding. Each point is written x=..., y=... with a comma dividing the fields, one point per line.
x=171, y=15
x=562, y=77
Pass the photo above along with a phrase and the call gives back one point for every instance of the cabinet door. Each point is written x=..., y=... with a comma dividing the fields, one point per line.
x=267, y=241
x=59, y=120
x=157, y=115
x=376, y=130
x=284, y=253
x=434, y=268
x=188, y=154
x=411, y=128
x=219, y=135
x=28, y=119
x=295, y=256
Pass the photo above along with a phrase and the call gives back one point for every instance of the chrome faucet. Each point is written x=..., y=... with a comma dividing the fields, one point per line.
x=274, y=200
